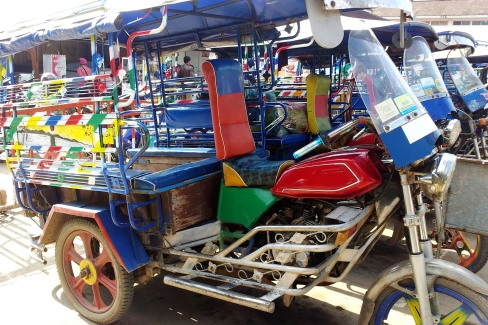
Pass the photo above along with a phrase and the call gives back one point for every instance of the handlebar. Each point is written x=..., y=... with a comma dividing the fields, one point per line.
x=321, y=140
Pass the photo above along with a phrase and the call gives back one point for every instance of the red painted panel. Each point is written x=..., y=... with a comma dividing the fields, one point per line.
x=74, y=119
x=335, y=175
x=321, y=106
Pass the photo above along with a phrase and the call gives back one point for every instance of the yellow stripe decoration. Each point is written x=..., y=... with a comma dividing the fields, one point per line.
x=99, y=149
x=11, y=160
x=108, y=136
x=56, y=82
x=33, y=121
x=90, y=164
x=17, y=146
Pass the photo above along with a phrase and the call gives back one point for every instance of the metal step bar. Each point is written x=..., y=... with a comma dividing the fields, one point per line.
x=220, y=293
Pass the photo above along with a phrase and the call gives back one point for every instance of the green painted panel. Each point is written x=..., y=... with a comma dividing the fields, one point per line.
x=243, y=205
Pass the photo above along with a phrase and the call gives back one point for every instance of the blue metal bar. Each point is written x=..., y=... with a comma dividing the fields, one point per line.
x=130, y=211
x=140, y=152
x=136, y=81
x=113, y=213
x=239, y=47
x=28, y=192
x=260, y=93
x=10, y=66
x=161, y=72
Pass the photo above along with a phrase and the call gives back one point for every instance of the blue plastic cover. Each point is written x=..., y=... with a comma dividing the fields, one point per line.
x=439, y=108
x=83, y=29
x=187, y=21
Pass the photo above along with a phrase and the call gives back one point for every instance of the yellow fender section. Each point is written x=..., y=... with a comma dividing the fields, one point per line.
x=231, y=177
x=317, y=103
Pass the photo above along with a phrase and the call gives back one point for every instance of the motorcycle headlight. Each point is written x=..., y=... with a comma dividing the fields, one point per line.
x=452, y=131
x=436, y=183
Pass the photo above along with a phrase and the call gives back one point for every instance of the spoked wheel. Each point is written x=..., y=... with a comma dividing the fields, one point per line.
x=457, y=305
x=466, y=249
x=93, y=280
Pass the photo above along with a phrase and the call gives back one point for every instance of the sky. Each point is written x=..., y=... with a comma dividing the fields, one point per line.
x=24, y=10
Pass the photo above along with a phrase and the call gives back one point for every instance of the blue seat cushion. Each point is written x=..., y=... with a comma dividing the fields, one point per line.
x=288, y=140
x=175, y=152
x=257, y=171
x=170, y=178
x=188, y=117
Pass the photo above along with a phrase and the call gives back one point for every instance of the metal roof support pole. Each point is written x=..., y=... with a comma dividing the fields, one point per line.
x=113, y=69
x=10, y=68
x=135, y=77
x=331, y=76
x=163, y=95
x=132, y=72
x=161, y=72
x=402, y=29
x=239, y=46
x=35, y=63
x=93, y=45
x=260, y=94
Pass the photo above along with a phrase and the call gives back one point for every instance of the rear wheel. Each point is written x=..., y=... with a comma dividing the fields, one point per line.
x=95, y=283
x=457, y=305
x=466, y=249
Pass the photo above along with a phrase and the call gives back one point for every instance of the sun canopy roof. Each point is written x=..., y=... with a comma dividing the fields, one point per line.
x=202, y=22
x=188, y=22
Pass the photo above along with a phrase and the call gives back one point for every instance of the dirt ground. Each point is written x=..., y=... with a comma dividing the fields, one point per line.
x=30, y=293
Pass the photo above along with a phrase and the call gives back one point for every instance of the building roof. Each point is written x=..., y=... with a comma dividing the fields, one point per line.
x=441, y=8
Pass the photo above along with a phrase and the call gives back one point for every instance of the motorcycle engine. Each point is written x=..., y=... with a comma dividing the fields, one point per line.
x=299, y=212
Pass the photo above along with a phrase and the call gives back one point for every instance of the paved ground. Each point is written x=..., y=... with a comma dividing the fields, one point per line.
x=30, y=293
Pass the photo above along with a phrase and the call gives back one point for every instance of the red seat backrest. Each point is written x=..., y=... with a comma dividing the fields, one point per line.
x=232, y=133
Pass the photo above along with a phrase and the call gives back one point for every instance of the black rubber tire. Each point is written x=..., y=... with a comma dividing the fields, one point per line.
x=124, y=281
x=482, y=255
x=476, y=299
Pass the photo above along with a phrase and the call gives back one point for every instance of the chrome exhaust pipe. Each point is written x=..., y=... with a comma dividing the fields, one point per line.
x=222, y=294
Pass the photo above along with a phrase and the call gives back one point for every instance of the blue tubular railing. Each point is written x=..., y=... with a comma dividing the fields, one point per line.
x=131, y=206
x=260, y=92
x=28, y=191
x=113, y=205
x=140, y=152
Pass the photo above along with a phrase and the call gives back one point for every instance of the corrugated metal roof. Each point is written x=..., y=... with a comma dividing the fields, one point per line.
x=456, y=8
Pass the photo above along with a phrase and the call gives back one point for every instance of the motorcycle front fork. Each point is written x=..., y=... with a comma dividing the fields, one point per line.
x=478, y=133
x=420, y=248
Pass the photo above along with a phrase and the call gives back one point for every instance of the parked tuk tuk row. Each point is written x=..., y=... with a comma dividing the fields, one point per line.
x=128, y=183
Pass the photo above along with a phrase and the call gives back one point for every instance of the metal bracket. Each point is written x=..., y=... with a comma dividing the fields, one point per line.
x=411, y=220
x=190, y=264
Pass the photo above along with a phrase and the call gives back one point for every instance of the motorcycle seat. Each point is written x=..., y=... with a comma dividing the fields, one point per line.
x=253, y=170
x=234, y=143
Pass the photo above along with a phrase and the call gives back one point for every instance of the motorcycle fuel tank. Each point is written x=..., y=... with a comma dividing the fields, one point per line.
x=335, y=175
